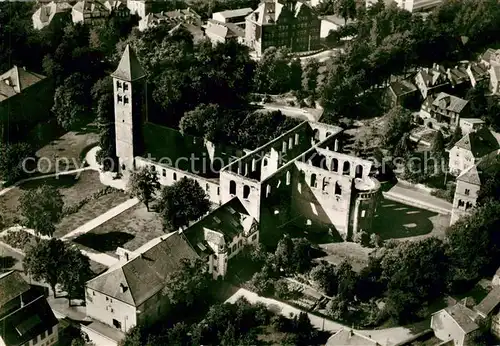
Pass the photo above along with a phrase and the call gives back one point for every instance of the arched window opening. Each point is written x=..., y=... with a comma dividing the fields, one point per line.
x=297, y=139
x=328, y=134
x=316, y=134
x=347, y=168
x=313, y=180
x=461, y=203
x=290, y=143
x=288, y=178
x=246, y=191
x=325, y=184
x=232, y=187
x=268, y=190
x=334, y=165
x=253, y=165
x=284, y=147
x=338, y=189
x=264, y=162
x=175, y=176
x=207, y=187
x=359, y=171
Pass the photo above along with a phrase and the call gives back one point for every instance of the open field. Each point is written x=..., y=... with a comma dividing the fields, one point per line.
x=74, y=188
x=70, y=146
x=400, y=221
x=129, y=230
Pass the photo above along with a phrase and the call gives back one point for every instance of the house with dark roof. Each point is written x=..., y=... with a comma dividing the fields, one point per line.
x=470, y=149
x=402, y=92
x=276, y=23
x=477, y=72
x=490, y=57
x=459, y=78
x=431, y=81
x=54, y=13
x=132, y=291
x=25, y=316
x=184, y=16
x=223, y=233
x=444, y=110
x=25, y=100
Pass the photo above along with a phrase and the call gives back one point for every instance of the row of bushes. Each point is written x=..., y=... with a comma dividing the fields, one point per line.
x=18, y=239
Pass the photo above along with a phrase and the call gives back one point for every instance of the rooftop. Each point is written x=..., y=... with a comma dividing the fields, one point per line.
x=480, y=142
x=225, y=30
x=402, y=87
x=234, y=13
x=129, y=69
x=463, y=317
x=347, y=337
x=12, y=285
x=143, y=276
x=449, y=102
x=15, y=80
x=489, y=303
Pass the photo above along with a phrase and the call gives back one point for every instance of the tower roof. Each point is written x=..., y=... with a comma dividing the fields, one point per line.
x=129, y=69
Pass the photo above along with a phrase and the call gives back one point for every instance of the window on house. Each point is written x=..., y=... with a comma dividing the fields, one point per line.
x=153, y=168
x=164, y=172
x=363, y=212
x=119, y=98
x=125, y=86
x=118, y=84
x=175, y=176
x=467, y=191
x=254, y=237
x=125, y=99
x=107, y=298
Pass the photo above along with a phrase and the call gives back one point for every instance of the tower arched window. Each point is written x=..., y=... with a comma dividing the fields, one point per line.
x=246, y=191
x=334, y=165
x=288, y=178
x=313, y=180
x=359, y=171
x=175, y=176
x=232, y=187
x=338, y=188
x=347, y=168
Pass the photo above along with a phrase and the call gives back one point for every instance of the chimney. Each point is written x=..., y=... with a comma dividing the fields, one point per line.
x=123, y=288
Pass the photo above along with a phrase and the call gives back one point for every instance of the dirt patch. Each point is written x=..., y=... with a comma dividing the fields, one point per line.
x=129, y=230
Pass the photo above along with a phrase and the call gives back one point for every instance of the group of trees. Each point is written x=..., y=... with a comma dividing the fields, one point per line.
x=41, y=209
x=390, y=41
x=229, y=324
x=411, y=275
x=56, y=262
x=180, y=203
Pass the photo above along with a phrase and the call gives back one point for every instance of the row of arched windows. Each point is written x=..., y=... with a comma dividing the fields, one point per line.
x=324, y=186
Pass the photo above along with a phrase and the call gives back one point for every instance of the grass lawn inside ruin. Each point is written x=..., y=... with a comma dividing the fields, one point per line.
x=74, y=188
x=130, y=230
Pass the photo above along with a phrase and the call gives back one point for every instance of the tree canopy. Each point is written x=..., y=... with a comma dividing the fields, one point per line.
x=143, y=184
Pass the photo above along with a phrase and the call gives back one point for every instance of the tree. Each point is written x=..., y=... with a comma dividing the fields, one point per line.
x=345, y=8
x=71, y=104
x=143, y=184
x=272, y=74
x=399, y=124
x=74, y=273
x=457, y=135
x=473, y=239
x=296, y=75
x=14, y=160
x=347, y=279
x=203, y=121
x=182, y=202
x=41, y=209
x=311, y=78
x=326, y=277
x=189, y=285
x=477, y=99
x=44, y=261
x=106, y=156
x=301, y=256
x=438, y=147
x=284, y=252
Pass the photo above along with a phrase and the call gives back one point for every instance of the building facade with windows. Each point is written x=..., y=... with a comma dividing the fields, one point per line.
x=26, y=318
x=292, y=24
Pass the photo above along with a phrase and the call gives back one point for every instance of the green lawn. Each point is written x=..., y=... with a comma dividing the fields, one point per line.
x=129, y=230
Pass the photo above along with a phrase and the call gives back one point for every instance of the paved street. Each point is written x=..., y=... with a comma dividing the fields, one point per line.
x=418, y=198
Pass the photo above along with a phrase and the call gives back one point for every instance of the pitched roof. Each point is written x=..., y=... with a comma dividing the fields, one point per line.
x=348, y=337
x=220, y=226
x=24, y=324
x=489, y=303
x=234, y=13
x=90, y=6
x=470, y=175
x=15, y=80
x=478, y=70
x=450, y=102
x=495, y=71
x=463, y=317
x=47, y=12
x=225, y=30
x=433, y=77
x=458, y=75
x=129, y=69
x=402, y=87
x=143, y=276
x=268, y=12
x=12, y=285
x=480, y=142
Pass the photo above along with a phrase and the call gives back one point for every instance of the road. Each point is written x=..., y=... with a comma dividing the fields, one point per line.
x=295, y=112
x=418, y=198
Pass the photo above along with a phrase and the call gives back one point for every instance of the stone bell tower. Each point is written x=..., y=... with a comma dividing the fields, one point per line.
x=130, y=102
